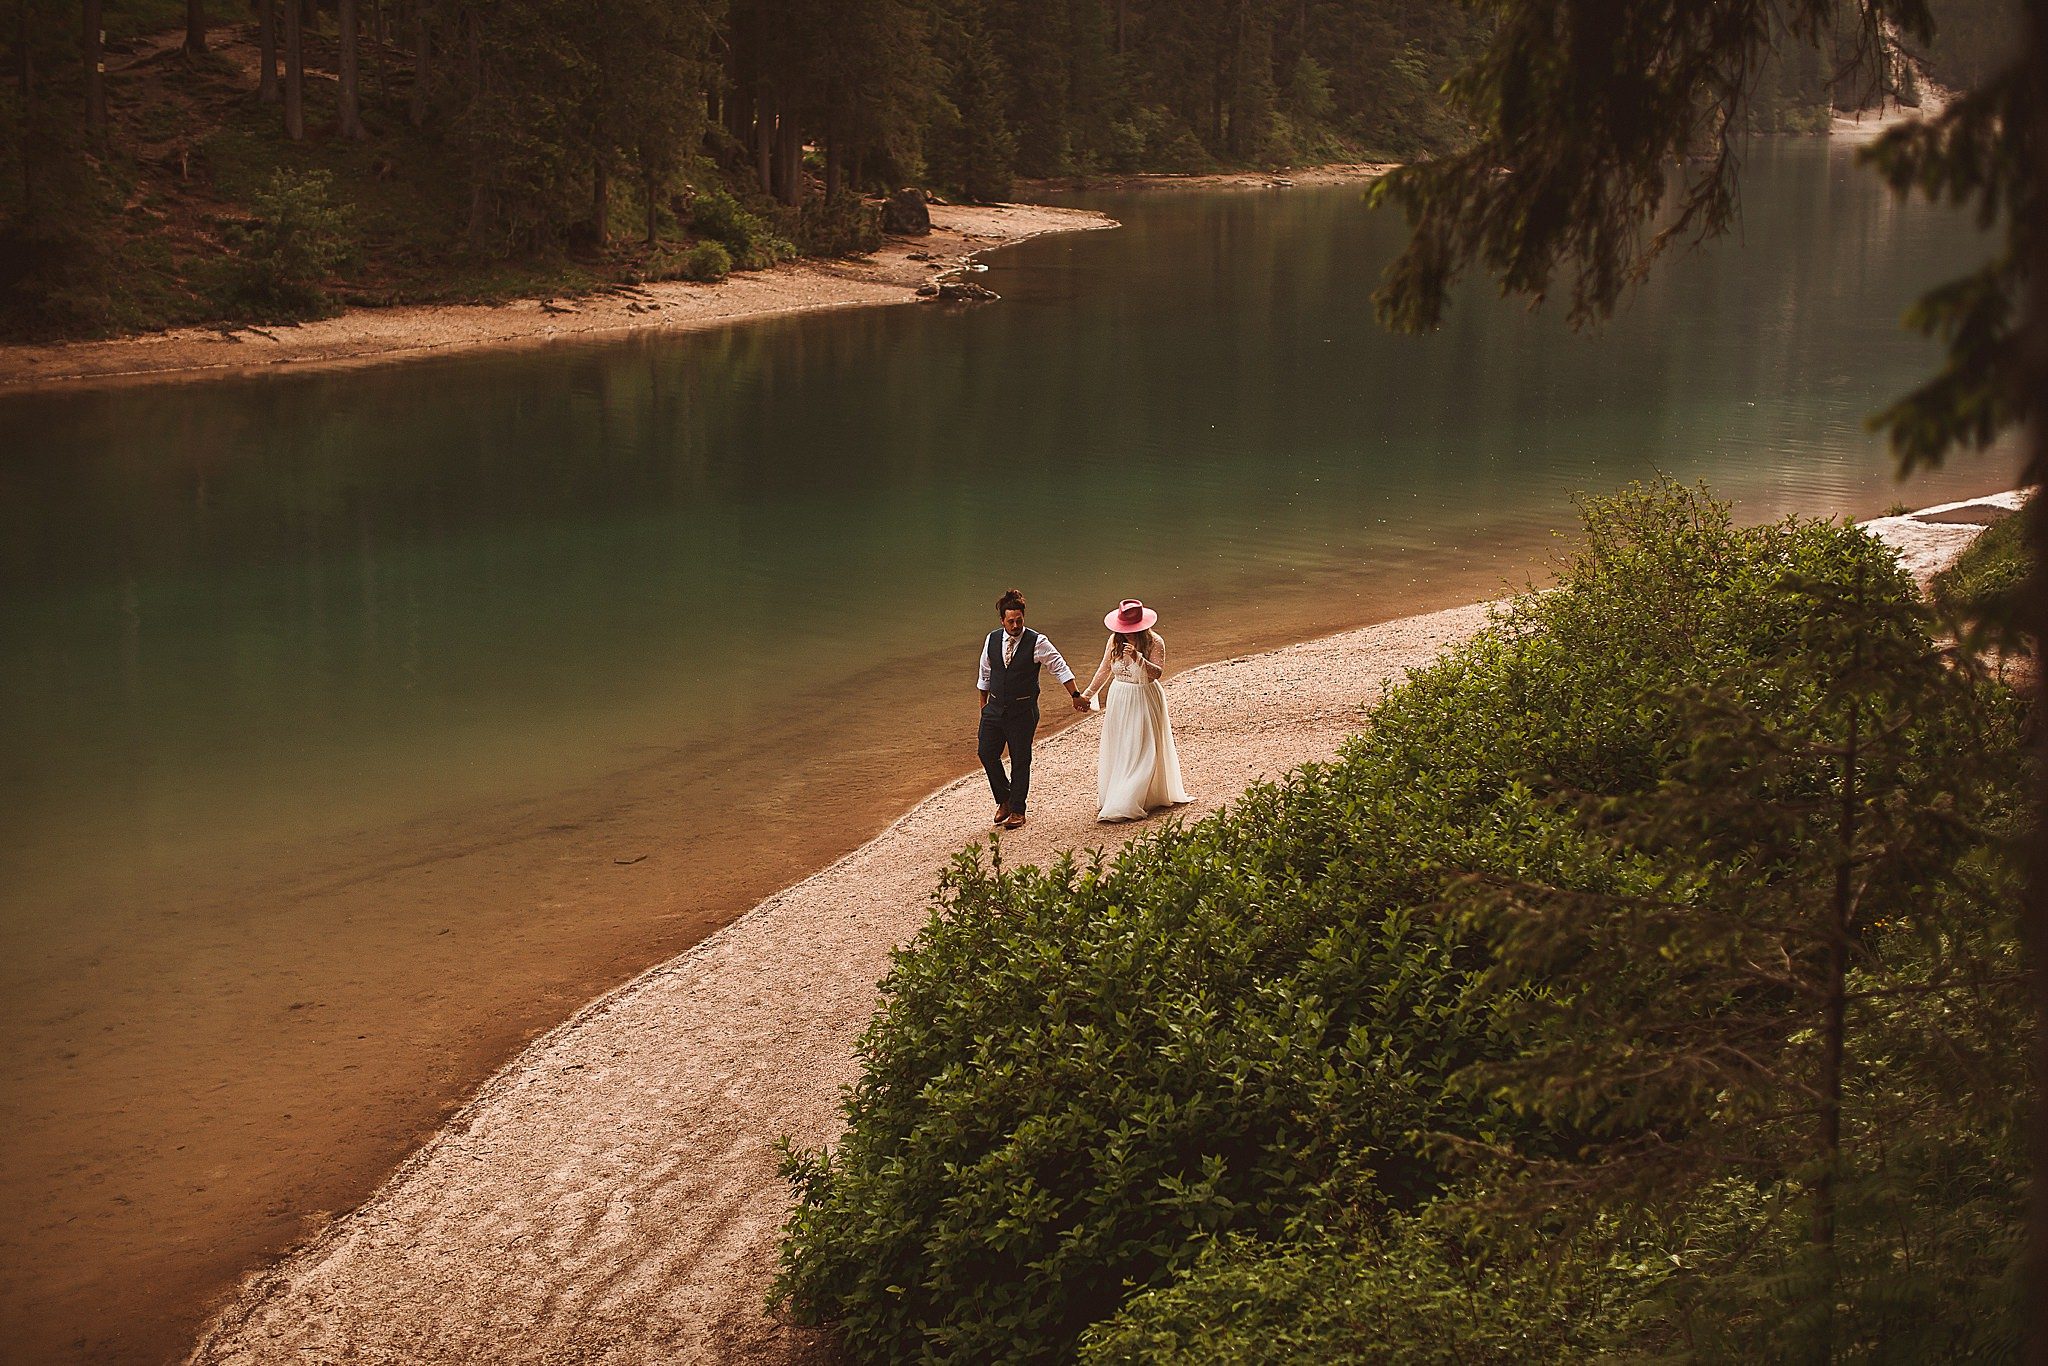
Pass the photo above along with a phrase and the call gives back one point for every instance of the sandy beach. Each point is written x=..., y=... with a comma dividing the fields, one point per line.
x=378, y=336
x=375, y=336
x=1331, y=173
x=611, y=1195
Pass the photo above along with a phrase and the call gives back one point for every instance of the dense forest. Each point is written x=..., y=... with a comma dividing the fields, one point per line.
x=177, y=162
x=212, y=159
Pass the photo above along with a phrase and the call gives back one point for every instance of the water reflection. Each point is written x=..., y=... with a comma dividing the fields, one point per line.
x=305, y=585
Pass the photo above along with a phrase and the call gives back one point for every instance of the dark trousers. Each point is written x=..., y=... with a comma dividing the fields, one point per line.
x=1009, y=727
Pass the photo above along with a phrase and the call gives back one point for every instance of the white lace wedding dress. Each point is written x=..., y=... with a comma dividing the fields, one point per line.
x=1138, y=769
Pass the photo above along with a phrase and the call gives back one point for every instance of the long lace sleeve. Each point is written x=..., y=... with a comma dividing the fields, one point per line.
x=1101, y=678
x=1155, y=658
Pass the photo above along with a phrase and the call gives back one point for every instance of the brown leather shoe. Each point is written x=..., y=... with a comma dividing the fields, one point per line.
x=1002, y=814
x=1015, y=822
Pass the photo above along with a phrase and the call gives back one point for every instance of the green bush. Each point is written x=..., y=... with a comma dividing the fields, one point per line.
x=842, y=225
x=1411, y=1297
x=748, y=239
x=1983, y=585
x=1152, y=138
x=707, y=263
x=283, y=259
x=1249, y=1024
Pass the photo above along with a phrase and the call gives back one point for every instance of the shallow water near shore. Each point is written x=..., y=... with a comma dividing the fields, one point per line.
x=357, y=727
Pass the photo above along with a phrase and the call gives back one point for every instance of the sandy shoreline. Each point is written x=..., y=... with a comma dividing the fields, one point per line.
x=379, y=336
x=611, y=1194
x=1332, y=173
x=376, y=336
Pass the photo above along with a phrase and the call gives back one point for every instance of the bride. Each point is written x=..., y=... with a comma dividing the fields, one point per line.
x=1138, y=769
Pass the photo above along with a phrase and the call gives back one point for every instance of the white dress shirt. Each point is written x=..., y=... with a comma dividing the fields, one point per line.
x=1045, y=654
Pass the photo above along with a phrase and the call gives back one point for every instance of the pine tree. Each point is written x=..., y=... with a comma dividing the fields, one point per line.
x=1583, y=116
x=266, y=52
x=349, y=92
x=977, y=152
x=1031, y=43
x=1736, y=1012
x=294, y=70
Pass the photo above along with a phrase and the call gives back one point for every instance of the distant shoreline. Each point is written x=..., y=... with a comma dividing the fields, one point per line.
x=1334, y=173
x=378, y=336
x=363, y=337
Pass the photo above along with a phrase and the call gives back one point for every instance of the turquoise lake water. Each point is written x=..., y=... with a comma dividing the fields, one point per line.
x=265, y=639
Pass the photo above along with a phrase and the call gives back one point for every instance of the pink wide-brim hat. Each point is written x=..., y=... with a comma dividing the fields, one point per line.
x=1130, y=615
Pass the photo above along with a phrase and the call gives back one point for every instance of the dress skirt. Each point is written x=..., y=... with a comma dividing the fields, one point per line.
x=1138, y=769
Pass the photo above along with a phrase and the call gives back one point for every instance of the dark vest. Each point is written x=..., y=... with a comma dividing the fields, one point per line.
x=1018, y=681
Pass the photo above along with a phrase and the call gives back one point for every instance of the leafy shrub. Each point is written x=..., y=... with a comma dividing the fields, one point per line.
x=1983, y=585
x=1247, y=1025
x=1152, y=138
x=747, y=238
x=843, y=225
x=1790, y=1042
x=707, y=263
x=284, y=258
x=1411, y=1297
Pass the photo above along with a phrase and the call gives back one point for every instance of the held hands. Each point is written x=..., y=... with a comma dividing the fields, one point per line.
x=1081, y=702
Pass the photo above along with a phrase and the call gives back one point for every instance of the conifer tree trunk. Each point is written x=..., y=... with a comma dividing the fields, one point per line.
x=1216, y=81
x=351, y=82
x=739, y=118
x=95, y=74
x=195, y=26
x=832, y=168
x=2033, y=379
x=294, y=72
x=379, y=35
x=266, y=50
x=25, y=81
x=479, y=193
x=422, y=66
x=789, y=162
x=764, y=141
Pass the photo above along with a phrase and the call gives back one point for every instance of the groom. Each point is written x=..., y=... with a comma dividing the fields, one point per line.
x=1010, y=661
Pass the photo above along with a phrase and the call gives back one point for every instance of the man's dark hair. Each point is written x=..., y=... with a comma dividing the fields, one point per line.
x=1011, y=598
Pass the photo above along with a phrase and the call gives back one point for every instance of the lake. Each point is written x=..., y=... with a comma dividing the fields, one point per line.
x=356, y=727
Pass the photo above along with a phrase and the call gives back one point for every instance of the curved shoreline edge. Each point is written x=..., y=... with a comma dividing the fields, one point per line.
x=362, y=337
x=612, y=1192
